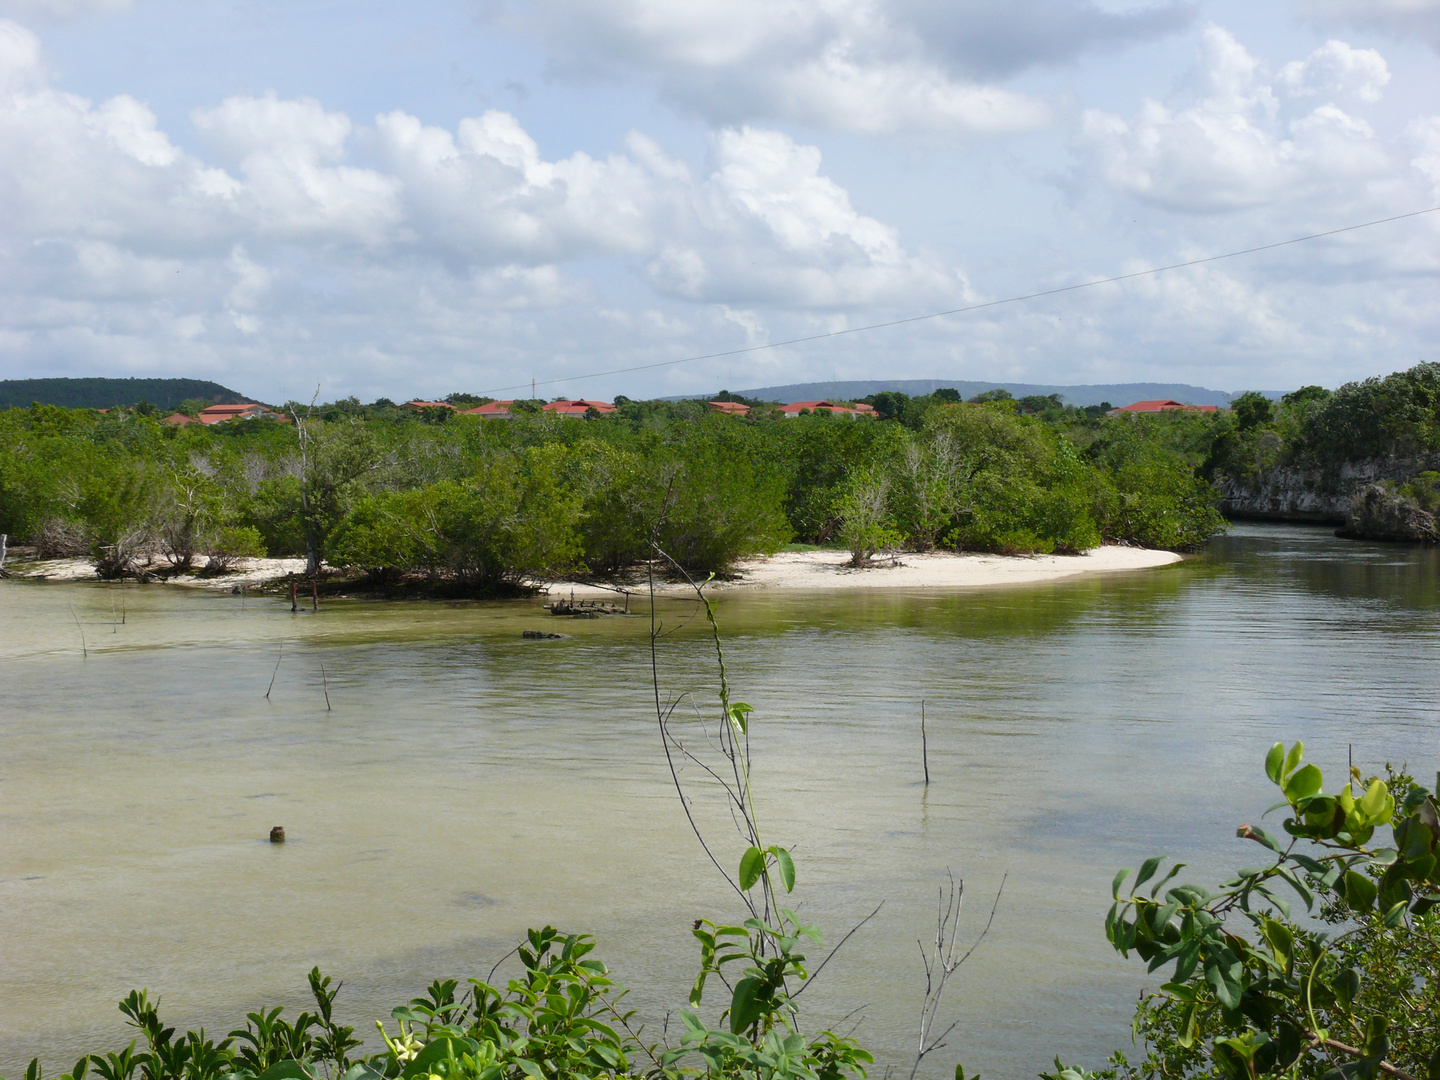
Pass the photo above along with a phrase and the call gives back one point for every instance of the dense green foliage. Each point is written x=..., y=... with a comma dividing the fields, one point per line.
x=1350, y=993
x=1393, y=415
x=165, y=395
x=396, y=491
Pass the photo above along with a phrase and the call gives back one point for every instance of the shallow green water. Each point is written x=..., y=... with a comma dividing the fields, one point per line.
x=467, y=783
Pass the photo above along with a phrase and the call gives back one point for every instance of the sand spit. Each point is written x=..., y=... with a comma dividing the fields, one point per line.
x=804, y=571
x=815, y=571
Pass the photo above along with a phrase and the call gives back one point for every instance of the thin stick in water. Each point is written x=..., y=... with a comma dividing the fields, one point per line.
x=924, y=744
x=84, y=649
x=325, y=682
x=275, y=672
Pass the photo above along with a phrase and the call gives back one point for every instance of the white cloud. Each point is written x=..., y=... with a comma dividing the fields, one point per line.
x=1404, y=19
x=297, y=232
x=1335, y=69
x=768, y=195
x=870, y=66
x=1424, y=135
x=1239, y=145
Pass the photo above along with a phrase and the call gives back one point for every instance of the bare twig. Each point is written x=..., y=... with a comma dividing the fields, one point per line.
x=275, y=672
x=943, y=963
x=924, y=745
x=325, y=682
x=84, y=649
x=1356, y=1052
x=840, y=945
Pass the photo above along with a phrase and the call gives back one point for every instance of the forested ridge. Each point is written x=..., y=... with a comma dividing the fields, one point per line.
x=161, y=394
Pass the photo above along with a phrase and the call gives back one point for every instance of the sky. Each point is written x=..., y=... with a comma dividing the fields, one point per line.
x=377, y=199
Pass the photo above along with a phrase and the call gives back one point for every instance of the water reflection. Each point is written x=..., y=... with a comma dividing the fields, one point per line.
x=467, y=782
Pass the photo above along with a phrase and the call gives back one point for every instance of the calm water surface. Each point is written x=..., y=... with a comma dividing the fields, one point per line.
x=466, y=783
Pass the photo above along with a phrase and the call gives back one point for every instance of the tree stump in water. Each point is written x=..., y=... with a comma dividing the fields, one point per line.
x=277, y=834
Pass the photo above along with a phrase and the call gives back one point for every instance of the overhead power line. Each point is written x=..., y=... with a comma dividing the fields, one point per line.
x=963, y=310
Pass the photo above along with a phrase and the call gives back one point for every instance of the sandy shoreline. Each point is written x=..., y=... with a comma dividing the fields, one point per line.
x=816, y=571
x=812, y=571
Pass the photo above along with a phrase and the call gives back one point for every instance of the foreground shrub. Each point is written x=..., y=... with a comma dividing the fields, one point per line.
x=1350, y=993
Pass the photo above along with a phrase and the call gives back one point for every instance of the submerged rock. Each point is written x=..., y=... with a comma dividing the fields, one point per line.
x=277, y=834
x=1378, y=513
x=540, y=634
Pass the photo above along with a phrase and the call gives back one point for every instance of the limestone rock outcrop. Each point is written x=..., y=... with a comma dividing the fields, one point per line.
x=1378, y=513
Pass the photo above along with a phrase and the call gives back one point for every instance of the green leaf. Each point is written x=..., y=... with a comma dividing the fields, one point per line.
x=1292, y=759
x=529, y=1068
x=787, y=867
x=1395, y=915
x=1303, y=784
x=1274, y=761
x=1260, y=836
x=745, y=1006
x=693, y=1022
x=1119, y=880
x=1360, y=891
x=738, y=713
x=1147, y=871
x=752, y=865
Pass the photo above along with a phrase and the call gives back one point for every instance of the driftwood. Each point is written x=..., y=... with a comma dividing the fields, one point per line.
x=584, y=609
x=4, y=539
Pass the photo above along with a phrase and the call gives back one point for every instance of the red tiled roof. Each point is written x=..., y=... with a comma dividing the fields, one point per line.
x=218, y=414
x=733, y=408
x=491, y=408
x=418, y=404
x=1162, y=406
x=793, y=409
x=180, y=419
x=578, y=407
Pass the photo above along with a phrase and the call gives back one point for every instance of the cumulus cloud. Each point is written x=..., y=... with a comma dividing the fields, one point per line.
x=1406, y=20
x=1335, y=69
x=1250, y=139
x=767, y=194
x=872, y=66
x=292, y=226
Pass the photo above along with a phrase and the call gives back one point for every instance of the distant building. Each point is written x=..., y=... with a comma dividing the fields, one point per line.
x=417, y=404
x=578, y=408
x=180, y=419
x=218, y=414
x=848, y=411
x=492, y=410
x=730, y=408
x=1161, y=406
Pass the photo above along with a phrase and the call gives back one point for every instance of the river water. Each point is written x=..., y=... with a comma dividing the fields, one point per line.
x=465, y=783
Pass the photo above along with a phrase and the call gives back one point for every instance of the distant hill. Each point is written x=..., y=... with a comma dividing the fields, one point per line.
x=1116, y=393
x=165, y=394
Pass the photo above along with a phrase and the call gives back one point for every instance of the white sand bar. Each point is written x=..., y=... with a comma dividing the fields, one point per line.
x=798, y=570
x=818, y=570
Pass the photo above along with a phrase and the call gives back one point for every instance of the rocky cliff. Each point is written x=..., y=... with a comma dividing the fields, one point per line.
x=1321, y=495
x=1378, y=513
